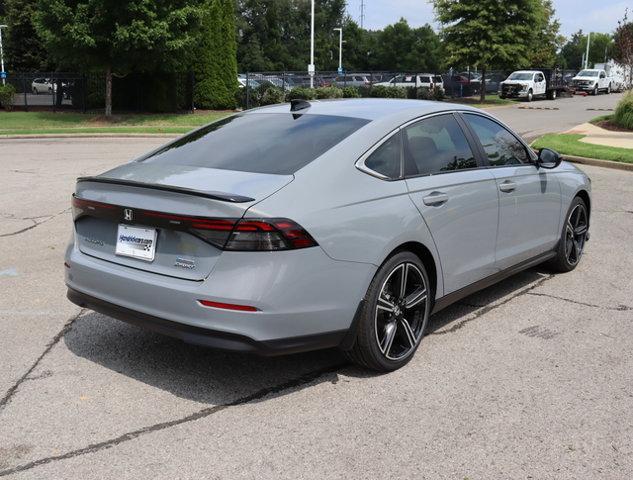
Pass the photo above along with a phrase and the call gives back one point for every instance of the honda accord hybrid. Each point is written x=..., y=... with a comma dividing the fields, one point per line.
x=311, y=225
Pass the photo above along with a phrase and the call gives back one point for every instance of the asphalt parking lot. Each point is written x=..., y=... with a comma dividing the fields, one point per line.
x=532, y=378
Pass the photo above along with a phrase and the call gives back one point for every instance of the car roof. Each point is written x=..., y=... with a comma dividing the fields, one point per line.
x=368, y=108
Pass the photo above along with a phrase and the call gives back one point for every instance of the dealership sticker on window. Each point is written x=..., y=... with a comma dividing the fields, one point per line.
x=136, y=242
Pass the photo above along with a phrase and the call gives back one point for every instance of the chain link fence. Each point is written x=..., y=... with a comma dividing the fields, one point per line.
x=62, y=91
x=255, y=87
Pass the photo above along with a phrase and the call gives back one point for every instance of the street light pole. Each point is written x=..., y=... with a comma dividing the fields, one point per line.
x=2, y=55
x=311, y=66
x=340, y=50
x=587, y=54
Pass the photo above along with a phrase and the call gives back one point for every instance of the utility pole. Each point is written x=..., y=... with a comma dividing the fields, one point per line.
x=311, y=66
x=362, y=13
x=2, y=56
x=587, y=54
x=340, y=49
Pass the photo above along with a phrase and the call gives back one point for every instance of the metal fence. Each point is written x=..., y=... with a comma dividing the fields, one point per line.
x=453, y=84
x=59, y=91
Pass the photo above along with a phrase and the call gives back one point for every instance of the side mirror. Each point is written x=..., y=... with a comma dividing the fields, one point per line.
x=548, y=158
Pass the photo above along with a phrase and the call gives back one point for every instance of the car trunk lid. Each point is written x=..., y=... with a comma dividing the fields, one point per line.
x=167, y=199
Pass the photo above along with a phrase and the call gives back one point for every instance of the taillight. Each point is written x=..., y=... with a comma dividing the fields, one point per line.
x=257, y=234
x=268, y=235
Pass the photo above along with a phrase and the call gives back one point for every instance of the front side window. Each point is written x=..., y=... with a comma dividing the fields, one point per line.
x=436, y=145
x=386, y=158
x=501, y=147
x=273, y=143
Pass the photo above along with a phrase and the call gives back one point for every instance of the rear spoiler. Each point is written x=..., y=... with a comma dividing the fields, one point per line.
x=221, y=196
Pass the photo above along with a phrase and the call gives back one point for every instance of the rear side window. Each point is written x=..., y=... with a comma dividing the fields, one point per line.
x=501, y=147
x=436, y=145
x=386, y=158
x=425, y=79
x=274, y=143
x=437, y=79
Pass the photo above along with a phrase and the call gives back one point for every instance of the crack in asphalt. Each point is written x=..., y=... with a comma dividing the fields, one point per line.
x=35, y=223
x=4, y=401
x=483, y=310
x=619, y=308
x=204, y=413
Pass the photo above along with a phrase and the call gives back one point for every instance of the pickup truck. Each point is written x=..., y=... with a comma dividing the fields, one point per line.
x=592, y=80
x=528, y=84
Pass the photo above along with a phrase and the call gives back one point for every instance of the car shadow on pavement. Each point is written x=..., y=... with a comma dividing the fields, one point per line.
x=216, y=377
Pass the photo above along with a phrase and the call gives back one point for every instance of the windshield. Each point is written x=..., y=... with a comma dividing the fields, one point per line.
x=278, y=143
x=588, y=73
x=520, y=76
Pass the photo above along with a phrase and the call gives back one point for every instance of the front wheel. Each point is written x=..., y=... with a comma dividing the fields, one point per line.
x=608, y=89
x=595, y=90
x=573, y=237
x=394, y=315
x=530, y=95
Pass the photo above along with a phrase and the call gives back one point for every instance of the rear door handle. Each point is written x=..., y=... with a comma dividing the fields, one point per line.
x=435, y=199
x=508, y=186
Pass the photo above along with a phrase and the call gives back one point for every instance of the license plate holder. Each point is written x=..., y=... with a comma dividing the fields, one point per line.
x=136, y=242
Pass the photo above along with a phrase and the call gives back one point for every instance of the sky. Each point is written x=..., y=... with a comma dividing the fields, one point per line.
x=596, y=16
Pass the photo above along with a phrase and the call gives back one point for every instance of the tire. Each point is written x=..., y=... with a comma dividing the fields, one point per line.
x=530, y=95
x=595, y=90
x=552, y=95
x=568, y=255
x=35, y=92
x=387, y=332
x=609, y=89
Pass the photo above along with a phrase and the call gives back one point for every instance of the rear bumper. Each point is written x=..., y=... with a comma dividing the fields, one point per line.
x=305, y=300
x=205, y=337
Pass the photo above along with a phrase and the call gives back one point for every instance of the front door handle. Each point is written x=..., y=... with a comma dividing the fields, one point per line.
x=508, y=186
x=435, y=199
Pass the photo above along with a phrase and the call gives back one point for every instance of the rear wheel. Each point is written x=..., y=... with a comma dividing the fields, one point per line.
x=394, y=315
x=608, y=89
x=552, y=95
x=573, y=237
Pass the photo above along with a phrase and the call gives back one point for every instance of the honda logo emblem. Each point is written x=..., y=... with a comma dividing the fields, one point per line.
x=128, y=215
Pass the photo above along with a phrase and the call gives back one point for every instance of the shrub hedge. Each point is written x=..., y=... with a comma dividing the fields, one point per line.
x=6, y=96
x=623, y=116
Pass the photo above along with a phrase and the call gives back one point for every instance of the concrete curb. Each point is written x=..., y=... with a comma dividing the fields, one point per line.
x=36, y=136
x=599, y=163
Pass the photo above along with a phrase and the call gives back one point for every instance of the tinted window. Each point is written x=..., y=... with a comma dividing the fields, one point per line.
x=502, y=148
x=435, y=145
x=386, y=158
x=437, y=79
x=261, y=143
x=425, y=79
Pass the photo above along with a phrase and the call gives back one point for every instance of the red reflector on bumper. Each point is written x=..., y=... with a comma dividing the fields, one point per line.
x=227, y=306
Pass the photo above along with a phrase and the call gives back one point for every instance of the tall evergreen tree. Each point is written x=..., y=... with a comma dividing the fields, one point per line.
x=24, y=51
x=216, y=63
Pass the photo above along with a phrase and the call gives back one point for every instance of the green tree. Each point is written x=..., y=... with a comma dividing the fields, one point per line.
x=23, y=48
x=406, y=49
x=119, y=36
x=485, y=33
x=623, y=46
x=573, y=51
x=548, y=41
x=216, y=64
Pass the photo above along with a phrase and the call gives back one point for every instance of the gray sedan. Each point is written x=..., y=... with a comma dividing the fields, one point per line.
x=312, y=225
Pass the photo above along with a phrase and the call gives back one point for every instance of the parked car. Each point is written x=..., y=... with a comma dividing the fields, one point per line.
x=351, y=80
x=42, y=85
x=492, y=81
x=424, y=80
x=529, y=84
x=592, y=80
x=338, y=223
x=460, y=86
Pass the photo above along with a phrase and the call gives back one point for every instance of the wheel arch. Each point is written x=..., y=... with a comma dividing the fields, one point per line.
x=425, y=255
x=586, y=198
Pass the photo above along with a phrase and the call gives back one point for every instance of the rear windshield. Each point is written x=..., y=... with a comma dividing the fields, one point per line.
x=277, y=143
